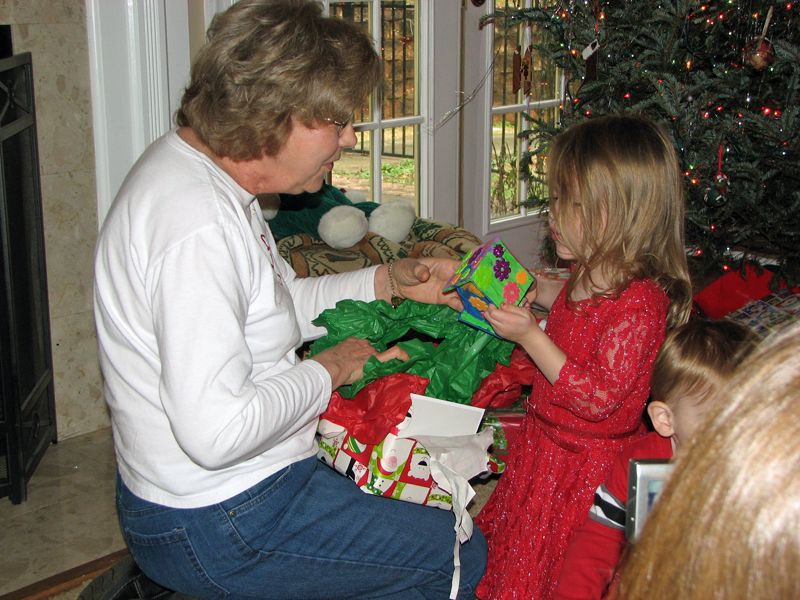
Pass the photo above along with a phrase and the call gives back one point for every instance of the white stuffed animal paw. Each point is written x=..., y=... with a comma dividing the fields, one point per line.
x=343, y=226
x=393, y=220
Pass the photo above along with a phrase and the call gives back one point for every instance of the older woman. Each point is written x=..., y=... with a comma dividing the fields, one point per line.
x=198, y=319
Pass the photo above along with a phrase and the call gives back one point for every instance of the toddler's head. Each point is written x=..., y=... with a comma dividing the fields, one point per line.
x=617, y=205
x=694, y=362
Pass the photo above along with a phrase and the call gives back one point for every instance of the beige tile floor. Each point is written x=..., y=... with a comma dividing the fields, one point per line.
x=69, y=518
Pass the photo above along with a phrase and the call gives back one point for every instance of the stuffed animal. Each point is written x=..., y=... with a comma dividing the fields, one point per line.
x=335, y=218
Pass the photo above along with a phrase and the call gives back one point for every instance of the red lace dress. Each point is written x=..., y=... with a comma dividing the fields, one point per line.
x=570, y=436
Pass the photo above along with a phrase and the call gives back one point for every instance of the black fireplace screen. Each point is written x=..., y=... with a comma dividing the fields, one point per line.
x=27, y=407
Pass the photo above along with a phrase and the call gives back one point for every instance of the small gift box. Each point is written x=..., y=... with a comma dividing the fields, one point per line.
x=488, y=275
x=732, y=291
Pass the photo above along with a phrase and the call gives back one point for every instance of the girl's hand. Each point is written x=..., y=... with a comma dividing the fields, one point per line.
x=517, y=324
x=514, y=323
x=345, y=361
x=532, y=293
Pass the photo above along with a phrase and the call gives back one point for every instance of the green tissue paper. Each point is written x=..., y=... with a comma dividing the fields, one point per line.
x=455, y=365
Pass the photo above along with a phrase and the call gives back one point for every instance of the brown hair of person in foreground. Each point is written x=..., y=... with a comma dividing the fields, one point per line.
x=727, y=525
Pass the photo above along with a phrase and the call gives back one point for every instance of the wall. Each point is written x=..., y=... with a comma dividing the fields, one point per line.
x=54, y=31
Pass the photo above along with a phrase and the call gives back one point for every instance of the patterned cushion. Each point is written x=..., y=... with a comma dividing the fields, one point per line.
x=310, y=256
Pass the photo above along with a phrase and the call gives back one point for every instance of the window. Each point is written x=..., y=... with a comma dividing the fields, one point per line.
x=523, y=83
x=506, y=82
x=385, y=163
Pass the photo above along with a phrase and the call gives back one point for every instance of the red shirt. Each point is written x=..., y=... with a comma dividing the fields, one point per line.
x=595, y=549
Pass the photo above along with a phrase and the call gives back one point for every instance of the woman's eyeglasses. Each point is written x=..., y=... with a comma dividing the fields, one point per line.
x=339, y=124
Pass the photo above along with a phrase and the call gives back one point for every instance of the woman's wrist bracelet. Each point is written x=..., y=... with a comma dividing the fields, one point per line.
x=397, y=300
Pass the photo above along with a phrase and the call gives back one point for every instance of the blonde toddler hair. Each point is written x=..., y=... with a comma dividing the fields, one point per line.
x=618, y=176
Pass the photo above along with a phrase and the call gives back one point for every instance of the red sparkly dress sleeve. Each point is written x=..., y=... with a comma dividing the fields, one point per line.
x=570, y=436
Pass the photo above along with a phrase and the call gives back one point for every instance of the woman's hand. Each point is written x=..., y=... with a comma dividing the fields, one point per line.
x=420, y=279
x=345, y=361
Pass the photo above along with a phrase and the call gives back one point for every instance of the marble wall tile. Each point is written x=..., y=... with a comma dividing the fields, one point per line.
x=70, y=229
x=80, y=404
x=54, y=31
x=42, y=11
x=63, y=93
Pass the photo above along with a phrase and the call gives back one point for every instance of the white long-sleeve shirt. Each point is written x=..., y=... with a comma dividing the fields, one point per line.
x=198, y=319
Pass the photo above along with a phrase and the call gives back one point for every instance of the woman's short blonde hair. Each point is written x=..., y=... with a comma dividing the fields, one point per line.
x=267, y=61
x=727, y=525
x=699, y=358
x=618, y=177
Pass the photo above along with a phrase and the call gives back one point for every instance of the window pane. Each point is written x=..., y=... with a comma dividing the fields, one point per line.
x=352, y=171
x=506, y=41
x=399, y=166
x=537, y=186
x=542, y=73
x=398, y=176
x=398, y=48
x=354, y=12
x=399, y=141
x=507, y=193
x=357, y=13
x=505, y=155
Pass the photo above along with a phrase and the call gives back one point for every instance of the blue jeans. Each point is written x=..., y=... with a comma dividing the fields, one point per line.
x=303, y=533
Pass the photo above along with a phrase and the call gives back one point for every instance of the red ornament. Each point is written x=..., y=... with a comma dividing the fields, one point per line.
x=759, y=54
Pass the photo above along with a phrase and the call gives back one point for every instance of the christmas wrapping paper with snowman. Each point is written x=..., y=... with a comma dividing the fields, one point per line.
x=373, y=452
x=368, y=439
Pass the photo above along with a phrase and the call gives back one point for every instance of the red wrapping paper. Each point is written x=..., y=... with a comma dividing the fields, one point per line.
x=377, y=408
x=503, y=386
x=731, y=292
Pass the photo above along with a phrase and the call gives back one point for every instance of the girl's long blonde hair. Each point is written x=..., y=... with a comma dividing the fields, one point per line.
x=727, y=524
x=618, y=177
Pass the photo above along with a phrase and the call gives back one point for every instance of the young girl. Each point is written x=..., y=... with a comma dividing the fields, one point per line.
x=617, y=212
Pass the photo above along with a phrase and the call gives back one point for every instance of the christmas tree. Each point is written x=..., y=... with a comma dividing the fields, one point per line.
x=723, y=78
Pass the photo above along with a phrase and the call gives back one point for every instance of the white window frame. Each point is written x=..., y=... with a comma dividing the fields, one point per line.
x=438, y=78
x=137, y=72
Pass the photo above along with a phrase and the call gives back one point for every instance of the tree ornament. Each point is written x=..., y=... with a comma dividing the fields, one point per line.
x=717, y=195
x=759, y=53
x=522, y=71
